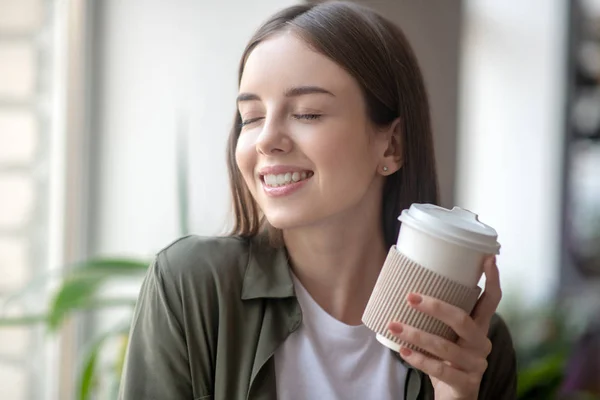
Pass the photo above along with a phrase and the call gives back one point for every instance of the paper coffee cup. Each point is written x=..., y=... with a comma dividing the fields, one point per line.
x=439, y=253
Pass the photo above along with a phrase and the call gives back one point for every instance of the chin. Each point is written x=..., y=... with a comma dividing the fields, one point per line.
x=286, y=220
x=284, y=223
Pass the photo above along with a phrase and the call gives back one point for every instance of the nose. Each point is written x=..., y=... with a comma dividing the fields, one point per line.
x=273, y=139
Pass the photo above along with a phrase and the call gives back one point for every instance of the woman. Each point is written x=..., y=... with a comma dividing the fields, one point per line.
x=331, y=140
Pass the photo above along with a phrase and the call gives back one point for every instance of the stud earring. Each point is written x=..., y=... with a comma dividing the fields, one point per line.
x=385, y=169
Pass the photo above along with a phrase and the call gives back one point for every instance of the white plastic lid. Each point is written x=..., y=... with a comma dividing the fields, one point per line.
x=457, y=226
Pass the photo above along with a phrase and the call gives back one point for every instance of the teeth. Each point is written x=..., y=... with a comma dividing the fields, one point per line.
x=271, y=180
x=285, y=179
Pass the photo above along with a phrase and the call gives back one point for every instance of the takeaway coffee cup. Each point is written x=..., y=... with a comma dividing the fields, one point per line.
x=439, y=253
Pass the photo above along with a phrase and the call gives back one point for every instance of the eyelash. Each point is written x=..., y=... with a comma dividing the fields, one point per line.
x=308, y=117
x=248, y=121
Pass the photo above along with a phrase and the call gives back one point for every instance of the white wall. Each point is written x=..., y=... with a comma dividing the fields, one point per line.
x=511, y=134
x=160, y=62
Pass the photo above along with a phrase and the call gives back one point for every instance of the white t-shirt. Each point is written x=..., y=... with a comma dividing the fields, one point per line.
x=325, y=359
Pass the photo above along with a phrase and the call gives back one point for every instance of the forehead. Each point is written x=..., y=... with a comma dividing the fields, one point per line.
x=285, y=61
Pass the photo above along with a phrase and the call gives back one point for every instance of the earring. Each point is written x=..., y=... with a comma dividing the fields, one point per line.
x=385, y=169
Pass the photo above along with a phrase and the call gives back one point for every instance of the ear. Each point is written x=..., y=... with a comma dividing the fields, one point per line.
x=393, y=155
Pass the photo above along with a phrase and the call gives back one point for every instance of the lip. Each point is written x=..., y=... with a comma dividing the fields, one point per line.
x=286, y=190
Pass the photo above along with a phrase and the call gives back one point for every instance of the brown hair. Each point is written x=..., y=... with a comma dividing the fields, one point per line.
x=376, y=53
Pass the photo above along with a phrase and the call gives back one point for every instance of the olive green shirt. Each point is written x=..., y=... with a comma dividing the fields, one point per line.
x=212, y=312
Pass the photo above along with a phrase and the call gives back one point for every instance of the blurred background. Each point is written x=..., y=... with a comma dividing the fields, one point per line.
x=113, y=121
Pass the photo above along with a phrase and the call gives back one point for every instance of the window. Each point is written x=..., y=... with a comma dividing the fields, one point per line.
x=28, y=112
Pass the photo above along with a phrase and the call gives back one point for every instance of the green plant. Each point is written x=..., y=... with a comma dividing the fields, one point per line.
x=81, y=290
x=82, y=287
x=544, y=339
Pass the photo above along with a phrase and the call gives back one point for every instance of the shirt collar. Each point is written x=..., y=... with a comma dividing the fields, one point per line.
x=268, y=271
x=268, y=275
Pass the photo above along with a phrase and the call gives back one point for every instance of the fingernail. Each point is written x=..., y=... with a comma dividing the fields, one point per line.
x=405, y=351
x=414, y=298
x=395, y=328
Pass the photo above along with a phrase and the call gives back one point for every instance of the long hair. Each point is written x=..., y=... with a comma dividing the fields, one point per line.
x=375, y=52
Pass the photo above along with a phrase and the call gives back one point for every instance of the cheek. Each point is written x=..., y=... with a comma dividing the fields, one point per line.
x=346, y=150
x=245, y=157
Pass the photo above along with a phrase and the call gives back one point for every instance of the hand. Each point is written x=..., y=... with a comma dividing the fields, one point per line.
x=458, y=375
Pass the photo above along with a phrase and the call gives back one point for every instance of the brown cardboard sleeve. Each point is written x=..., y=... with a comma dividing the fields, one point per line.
x=401, y=276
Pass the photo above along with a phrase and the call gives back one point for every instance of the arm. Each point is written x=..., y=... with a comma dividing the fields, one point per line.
x=156, y=365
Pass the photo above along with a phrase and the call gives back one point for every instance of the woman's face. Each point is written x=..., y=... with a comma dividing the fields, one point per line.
x=307, y=150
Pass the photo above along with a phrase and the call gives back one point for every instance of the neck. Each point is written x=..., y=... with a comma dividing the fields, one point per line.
x=338, y=262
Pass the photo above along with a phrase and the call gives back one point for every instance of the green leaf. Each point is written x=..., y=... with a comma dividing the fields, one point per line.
x=80, y=290
x=29, y=320
x=544, y=372
x=22, y=321
x=110, y=303
x=88, y=378
x=74, y=294
x=79, y=295
x=101, y=268
x=107, y=267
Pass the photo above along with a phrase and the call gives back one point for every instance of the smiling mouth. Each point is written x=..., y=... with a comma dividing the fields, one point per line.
x=278, y=180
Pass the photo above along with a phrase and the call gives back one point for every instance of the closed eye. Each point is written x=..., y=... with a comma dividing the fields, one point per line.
x=250, y=121
x=307, y=116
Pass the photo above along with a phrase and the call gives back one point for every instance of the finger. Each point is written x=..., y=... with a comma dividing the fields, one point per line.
x=461, y=381
x=461, y=358
x=490, y=299
x=456, y=318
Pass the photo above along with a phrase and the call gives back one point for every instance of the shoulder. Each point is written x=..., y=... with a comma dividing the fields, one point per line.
x=197, y=259
x=499, y=333
x=500, y=379
x=193, y=252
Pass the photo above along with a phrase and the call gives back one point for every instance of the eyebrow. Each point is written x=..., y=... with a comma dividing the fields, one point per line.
x=291, y=92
